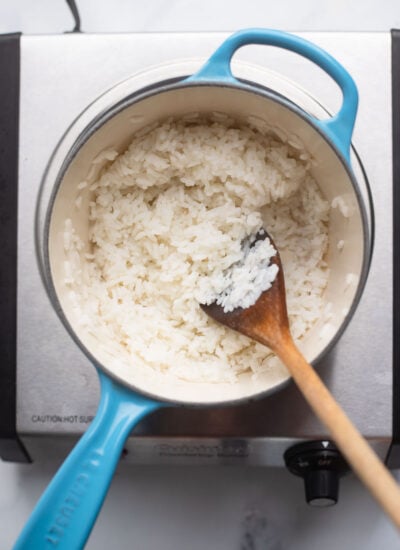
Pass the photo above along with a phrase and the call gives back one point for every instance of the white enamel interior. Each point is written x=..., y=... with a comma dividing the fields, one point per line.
x=329, y=171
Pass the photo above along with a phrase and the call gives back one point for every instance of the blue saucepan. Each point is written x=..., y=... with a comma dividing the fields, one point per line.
x=65, y=514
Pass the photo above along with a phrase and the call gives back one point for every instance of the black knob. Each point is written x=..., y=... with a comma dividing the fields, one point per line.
x=321, y=465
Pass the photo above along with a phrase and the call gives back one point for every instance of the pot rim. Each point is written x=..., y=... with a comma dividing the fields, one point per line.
x=42, y=227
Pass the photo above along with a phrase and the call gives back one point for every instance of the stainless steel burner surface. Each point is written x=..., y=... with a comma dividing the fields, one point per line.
x=57, y=389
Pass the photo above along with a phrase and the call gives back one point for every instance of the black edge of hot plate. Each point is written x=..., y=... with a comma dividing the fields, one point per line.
x=11, y=448
x=393, y=457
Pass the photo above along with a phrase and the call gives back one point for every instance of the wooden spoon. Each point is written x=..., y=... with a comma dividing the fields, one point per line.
x=267, y=322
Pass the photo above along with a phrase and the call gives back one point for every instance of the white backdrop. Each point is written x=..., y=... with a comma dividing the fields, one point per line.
x=52, y=16
x=197, y=508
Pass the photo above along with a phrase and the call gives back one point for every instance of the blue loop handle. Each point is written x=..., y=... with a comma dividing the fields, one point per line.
x=339, y=128
x=66, y=512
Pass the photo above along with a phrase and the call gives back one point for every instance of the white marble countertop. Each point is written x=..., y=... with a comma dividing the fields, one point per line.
x=197, y=508
x=207, y=507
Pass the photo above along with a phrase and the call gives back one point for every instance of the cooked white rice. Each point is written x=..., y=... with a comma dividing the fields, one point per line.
x=169, y=215
x=242, y=284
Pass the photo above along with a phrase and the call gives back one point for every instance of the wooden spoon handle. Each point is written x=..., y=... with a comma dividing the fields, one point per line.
x=353, y=446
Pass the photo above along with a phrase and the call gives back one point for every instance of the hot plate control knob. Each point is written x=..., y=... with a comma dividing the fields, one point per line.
x=321, y=465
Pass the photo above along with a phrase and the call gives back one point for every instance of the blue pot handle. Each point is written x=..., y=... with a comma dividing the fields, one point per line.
x=66, y=512
x=339, y=129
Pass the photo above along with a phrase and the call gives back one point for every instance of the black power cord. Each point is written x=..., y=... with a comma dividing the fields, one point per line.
x=75, y=14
